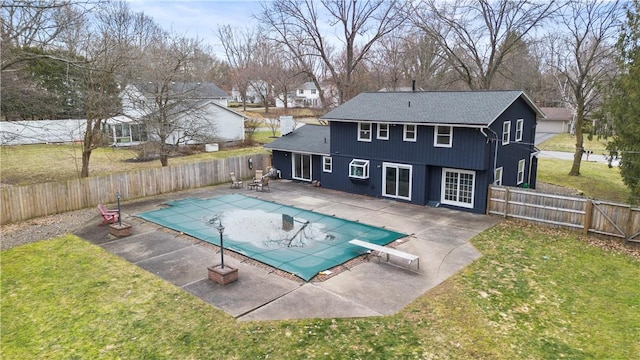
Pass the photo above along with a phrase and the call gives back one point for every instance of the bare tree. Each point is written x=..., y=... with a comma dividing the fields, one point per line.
x=239, y=47
x=172, y=107
x=300, y=25
x=477, y=36
x=582, y=60
x=29, y=25
x=109, y=51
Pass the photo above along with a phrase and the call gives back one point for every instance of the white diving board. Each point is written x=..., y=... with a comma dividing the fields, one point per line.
x=387, y=251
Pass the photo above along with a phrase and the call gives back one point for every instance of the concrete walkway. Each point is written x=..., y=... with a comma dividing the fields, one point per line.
x=369, y=288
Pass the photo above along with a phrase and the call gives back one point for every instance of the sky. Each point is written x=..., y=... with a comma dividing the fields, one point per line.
x=199, y=18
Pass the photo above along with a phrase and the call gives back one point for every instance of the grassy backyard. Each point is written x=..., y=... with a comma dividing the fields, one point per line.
x=28, y=164
x=567, y=143
x=596, y=180
x=537, y=293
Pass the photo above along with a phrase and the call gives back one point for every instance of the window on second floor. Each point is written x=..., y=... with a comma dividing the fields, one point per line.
x=383, y=131
x=521, y=164
x=301, y=91
x=313, y=91
x=519, y=126
x=364, y=131
x=443, y=136
x=410, y=132
x=506, y=132
x=359, y=169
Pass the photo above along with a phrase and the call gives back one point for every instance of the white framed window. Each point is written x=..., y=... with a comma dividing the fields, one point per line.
x=313, y=91
x=410, y=132
x=458, y=187
x=359, y=169
x=327, y=164
x=443, y=136
x=301, y=91
x=521, y=165
x=396, y=180
x=364, y=131
x=383, y=131
x=497, y=176
x=506, y=132
x=519, y=126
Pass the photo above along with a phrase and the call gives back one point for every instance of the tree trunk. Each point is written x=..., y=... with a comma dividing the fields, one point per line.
x=577, y=156
x=86, y=155
x=164, y=160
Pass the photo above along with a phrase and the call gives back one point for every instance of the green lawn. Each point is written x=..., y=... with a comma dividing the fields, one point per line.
x=596, y=180
x=567, y=143
x=29, y=164
x=537, y=293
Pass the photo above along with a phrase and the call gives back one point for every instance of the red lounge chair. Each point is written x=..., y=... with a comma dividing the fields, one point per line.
x=108, y=216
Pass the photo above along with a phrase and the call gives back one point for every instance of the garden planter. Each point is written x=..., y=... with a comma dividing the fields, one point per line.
x=222, y=276
x=120, y=230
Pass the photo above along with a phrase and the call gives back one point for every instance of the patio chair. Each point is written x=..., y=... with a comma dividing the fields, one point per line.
x=258, y=176
x=235, y=183
x=108, y=216
x=264, y=183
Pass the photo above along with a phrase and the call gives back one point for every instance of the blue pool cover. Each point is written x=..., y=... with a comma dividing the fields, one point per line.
x=297, y=241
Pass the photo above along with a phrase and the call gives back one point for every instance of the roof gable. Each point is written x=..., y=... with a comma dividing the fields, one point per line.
x=466, y=108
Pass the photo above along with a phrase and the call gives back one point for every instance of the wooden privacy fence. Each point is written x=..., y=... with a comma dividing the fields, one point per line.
x=589, y=216
x=26, y=202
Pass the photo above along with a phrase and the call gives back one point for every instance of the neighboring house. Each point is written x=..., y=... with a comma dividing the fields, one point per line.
x=255, y=92
x=305, y=95
x=207, y=119
x=558, y=120
x=427, y=148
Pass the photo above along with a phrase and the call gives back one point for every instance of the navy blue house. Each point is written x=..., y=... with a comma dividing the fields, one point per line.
x=439, y=148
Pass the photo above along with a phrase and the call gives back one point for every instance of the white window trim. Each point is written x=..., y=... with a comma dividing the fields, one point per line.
x=519, y=129
x=365, y=168
x=506, y=130
x=384, y=179
x=415, y=133
x=327, y=160
x=360, y=130
x=457, y=203
x=498, y=179
x=521, y=168
x=380, y=137
x=436, y=133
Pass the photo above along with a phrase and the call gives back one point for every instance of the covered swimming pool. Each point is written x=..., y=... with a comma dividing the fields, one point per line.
x=297, y=241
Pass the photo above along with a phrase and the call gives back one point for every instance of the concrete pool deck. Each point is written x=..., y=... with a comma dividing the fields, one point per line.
x=362, y=288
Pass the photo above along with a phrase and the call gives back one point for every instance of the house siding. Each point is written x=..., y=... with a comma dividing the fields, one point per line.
x=508, y=155
x=473, y=150
x=281, y=160
x=465, y=152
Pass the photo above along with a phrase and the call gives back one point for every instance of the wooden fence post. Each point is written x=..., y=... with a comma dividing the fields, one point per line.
x=588, y=215
x=507, y=194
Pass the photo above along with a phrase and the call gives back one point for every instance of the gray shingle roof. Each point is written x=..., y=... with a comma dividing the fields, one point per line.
x=193, y=90
x=313, y=139
x=471, y=108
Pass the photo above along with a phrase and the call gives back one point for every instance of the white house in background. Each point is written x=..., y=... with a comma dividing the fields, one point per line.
x=255, y=91
x=305, y=95
x=208, y=119
x=558, y=120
